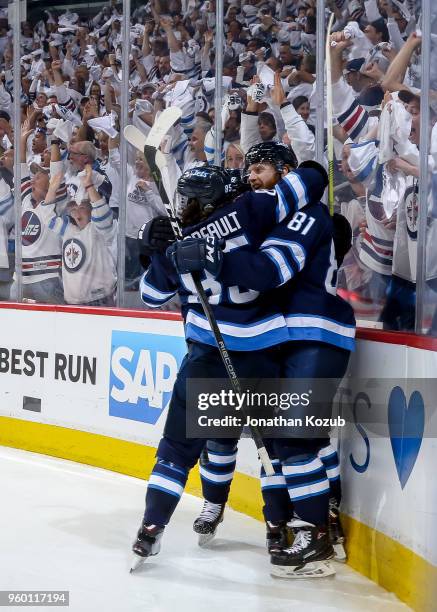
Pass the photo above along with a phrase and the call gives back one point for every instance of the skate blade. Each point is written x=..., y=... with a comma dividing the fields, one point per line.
x=136, y=563
x=339, y=553
x=206, y=538
x=315, y=569
x=138, y=560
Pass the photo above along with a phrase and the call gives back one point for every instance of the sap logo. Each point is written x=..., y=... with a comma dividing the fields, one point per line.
x=143, y=372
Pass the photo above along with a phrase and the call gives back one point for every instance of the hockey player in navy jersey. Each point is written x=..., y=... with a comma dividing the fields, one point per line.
x=299, y=260
x=251, y=326
x=266, y=163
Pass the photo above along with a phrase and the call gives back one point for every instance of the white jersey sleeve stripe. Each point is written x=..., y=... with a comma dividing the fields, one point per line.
x=285, y=271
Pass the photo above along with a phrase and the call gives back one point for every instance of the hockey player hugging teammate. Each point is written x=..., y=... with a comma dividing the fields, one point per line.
x=264, y=163
x=252, y=323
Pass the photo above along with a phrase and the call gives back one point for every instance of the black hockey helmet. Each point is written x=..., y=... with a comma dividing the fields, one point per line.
x=239, y=183
x=275, y=153
x=209, y=185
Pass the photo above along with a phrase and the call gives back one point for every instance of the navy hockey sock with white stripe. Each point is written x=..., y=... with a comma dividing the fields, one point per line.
x=217, y=472
x=329, y=458
x=308, y=488
x=277, y=506
x=166, y=485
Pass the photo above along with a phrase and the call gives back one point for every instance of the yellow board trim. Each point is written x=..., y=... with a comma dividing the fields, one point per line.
x=370, y=552
x=116, y=455
x=392, y=565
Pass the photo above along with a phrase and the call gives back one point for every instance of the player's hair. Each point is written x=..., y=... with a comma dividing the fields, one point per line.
x=193, y=213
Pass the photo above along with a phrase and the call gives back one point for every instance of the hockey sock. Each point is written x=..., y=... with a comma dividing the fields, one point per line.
x=308, y=488
x=329, y=458
x=217, y=473
x=166, y=485
x=277, y=506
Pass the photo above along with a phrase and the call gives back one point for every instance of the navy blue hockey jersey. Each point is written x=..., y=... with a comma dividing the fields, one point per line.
x=297, y=260
x=247, y=319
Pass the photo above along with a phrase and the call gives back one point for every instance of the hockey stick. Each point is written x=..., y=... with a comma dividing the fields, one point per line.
x=153, y=158
x=329, y=117
x=135, y=137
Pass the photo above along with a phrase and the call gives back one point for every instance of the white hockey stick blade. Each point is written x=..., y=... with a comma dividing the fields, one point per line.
x=170, y=174
x=315, y=569
x=161, y=160
x=162, y=125
x=135, y=137
x=265, y=460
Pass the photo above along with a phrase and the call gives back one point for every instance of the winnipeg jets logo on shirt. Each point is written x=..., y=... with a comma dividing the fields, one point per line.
x=74, y=255
x=30, y=228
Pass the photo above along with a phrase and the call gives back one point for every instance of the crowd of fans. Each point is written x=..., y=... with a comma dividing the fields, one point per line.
x=71, y=87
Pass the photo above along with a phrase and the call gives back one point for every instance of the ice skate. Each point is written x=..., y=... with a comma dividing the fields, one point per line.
x=147, y=544
x=208, y=520
x=336, y=534
x=277, y=537
x=307, y=557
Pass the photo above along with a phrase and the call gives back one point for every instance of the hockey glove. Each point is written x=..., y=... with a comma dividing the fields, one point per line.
x=196, y=254
x=309, y=163
x=154, y=237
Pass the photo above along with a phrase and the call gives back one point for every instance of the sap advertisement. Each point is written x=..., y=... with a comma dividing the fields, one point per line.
x=143, y=371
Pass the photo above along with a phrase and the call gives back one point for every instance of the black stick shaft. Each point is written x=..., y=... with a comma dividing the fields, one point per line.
x=150, y=153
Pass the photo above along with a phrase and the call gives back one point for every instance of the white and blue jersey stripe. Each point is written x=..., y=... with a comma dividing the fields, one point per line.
x=297, y=260
x=247, y=320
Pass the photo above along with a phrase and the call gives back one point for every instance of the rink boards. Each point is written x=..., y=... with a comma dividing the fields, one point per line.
x=93, y=386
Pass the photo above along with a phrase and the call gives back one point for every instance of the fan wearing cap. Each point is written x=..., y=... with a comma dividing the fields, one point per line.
x=247, y=69
x=351, y=115
x=353, y=75
x=88, y=234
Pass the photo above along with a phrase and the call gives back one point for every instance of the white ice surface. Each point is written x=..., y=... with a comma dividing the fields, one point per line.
x=65, y=526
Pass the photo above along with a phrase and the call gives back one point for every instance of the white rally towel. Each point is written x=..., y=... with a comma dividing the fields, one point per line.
x=104, y=124
x=393, y=130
